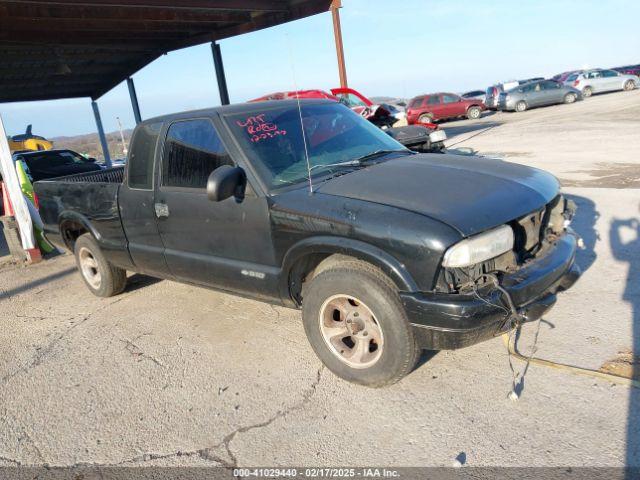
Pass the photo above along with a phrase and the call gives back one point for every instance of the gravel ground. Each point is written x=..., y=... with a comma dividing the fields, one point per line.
x=172, y=374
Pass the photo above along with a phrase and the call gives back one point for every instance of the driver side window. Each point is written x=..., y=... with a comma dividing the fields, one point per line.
x=192, y=150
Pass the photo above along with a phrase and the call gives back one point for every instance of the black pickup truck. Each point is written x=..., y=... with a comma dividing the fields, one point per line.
x=386, y=251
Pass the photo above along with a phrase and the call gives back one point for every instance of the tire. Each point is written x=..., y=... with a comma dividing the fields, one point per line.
x=587, y=92
x=521, y=106
x=426, y=118
x=473, y=113
x=355, y=299
x=629, y=85
x=570, y=98
x=102, y=278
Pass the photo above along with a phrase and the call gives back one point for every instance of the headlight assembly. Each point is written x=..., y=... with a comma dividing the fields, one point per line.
x=479, y=248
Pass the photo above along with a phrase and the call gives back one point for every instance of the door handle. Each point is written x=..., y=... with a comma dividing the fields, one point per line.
x=162, y=210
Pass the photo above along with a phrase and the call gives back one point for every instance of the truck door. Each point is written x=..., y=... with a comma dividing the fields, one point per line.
x=136, y=203
x=224, y=244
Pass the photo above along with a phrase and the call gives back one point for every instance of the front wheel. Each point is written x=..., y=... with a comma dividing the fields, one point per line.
x=570, y=98
x=355, y=322
x=102, y=278
x=629, y=85
x=521, y=106
x=473, y=113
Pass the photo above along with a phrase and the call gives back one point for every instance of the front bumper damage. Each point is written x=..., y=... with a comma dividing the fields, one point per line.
x=445, y=321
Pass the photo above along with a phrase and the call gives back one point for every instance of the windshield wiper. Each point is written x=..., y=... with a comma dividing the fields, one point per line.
x=379, y=153
x=360, y=161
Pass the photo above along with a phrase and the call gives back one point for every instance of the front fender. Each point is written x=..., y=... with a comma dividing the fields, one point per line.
x=346, y=246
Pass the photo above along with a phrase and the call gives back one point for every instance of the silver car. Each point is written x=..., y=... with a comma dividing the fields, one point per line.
x=537, y=94
x=597, y=81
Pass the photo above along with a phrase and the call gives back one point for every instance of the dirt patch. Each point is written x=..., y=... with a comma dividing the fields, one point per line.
x=625, y=364
x=608, y=175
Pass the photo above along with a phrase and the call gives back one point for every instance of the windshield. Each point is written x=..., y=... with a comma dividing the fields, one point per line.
x=54, y=159
x=334, y=134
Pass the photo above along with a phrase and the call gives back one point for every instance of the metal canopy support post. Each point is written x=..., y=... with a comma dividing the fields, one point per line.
x=222, y=81
x=103, y=138
x=134, y=100
x=337, y=33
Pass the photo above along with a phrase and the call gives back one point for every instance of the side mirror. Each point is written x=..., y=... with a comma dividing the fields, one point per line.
x=226, y=181
x=91, y=159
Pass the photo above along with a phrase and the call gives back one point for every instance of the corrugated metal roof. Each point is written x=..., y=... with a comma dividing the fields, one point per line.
x=52, y=49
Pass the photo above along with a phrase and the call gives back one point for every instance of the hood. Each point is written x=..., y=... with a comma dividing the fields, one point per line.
x=470, y=194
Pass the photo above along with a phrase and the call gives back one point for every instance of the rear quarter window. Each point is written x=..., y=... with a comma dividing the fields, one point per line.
x=143, y=150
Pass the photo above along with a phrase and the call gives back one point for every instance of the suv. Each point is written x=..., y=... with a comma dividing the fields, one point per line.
x=598, y=81
x=441, y=106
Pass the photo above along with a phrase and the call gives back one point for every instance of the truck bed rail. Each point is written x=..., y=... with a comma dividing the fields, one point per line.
x=111, y=175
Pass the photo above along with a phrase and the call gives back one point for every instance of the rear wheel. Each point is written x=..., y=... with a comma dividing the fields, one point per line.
x=629, y=85
x=587, y=92
x=521, y=106
x=570, y=98
x=473, y=113
x=102, y=278
x=426, y=118
x=355, y=322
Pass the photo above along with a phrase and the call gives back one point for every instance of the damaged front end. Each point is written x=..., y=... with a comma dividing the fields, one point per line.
x=534, y=234
x=484, y=299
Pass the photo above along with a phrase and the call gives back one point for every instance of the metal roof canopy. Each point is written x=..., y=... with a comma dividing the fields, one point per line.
x=53, y=49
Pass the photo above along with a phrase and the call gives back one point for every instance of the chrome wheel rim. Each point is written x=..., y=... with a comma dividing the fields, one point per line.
x=629, y=85
x=586, y=92
x=89, y=268
x=351, y=331
x=475, y=113
x=571, y=98
x=520, y=106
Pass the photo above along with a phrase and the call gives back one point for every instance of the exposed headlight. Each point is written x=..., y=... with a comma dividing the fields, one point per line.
x=479, y=248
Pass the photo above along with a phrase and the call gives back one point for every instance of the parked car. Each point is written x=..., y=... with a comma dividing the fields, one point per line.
x=561, y=77
x=424, y=138
x=492, y=94
x=491, y=97
x=441, y=106
x=359, y=103
x=384, y=250
x=599, y=81
x=537, y=94
x=45, y=164
x=629, y=70
x=477, y=94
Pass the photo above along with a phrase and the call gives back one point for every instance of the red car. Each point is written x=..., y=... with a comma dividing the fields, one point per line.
x=441, y=106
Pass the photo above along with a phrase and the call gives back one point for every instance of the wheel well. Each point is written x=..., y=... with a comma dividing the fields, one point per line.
x=308, y=267
x=70, y=231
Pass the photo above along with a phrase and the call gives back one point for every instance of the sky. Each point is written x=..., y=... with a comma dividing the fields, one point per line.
x=399, y=49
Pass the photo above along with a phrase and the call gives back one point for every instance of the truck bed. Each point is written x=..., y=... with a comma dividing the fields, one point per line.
x=88, y=202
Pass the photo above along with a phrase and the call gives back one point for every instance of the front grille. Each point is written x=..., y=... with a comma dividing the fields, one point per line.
x=528, y=234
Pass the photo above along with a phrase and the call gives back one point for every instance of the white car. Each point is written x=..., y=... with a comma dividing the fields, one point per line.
x=598, y=81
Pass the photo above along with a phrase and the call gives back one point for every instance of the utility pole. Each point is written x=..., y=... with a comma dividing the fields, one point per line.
x=337, y=34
